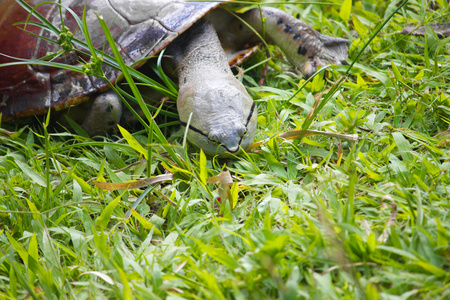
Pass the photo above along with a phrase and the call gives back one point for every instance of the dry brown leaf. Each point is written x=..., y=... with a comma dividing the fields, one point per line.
x=443, y=134
x=224, y=180
x=133, y=185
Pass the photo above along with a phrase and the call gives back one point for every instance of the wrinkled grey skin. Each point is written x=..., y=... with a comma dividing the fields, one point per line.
x=213, y=106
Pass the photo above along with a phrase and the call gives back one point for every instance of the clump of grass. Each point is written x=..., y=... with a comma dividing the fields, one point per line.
x=317, y=217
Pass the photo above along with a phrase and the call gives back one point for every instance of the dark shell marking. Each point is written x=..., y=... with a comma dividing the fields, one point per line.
x=288, y=29
x=301, y=34
x=302, y=50
x=26, y=91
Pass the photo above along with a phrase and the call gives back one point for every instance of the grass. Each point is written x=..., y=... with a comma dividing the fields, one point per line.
x=310, y=218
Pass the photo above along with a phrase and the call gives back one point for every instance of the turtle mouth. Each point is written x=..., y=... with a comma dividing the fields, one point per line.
x=215, y=142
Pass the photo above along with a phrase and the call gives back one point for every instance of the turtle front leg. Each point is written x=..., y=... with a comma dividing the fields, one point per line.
x=304, y=47
x=103, y=115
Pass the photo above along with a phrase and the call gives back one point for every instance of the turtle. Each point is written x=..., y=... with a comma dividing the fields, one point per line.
x=200, y=38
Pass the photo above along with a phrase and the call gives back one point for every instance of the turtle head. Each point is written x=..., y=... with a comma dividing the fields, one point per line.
x=220, y=116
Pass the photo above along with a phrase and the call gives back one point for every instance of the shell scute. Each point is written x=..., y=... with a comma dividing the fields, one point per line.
x=139, y=27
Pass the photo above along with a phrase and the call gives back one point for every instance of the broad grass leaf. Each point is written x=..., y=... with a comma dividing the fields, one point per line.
x=114, y=157
x=35, y=211
x=166, y=210
x=67, y=250
x=371, y=242
x=325, y=287
x=400, y=168
x=157, y=277
x=84, y=185
x=359, y=26
x=18, y=248
x=403, y=146
x=12, y=281
x=442, y=3
x=133, y=142
x=443, y=235
x=430, y=268
x=369, y=16
x=396, y=72
x=432, y=169
x=77, y=191
x=374, y=176
x=267, y=220
x=49, y=252
x=378, y=74
x=126, y=289
x=397, y=251
x=203, y=168
x=274, y=164
x=360, y=81
x=76, y=127
x=273, y=246
x=31, y=173
x=217, y=254
x=346, y=10
x=33, y=252
x=419, y=75
x=234, y=191
x=63, y=183
x=105, y=216
x=368, y=168
x=33, y=247
x=101, y=275
x=422, y=184
x=78, y=240
x=213, y=286
x=139, y=199
x=147, y=225
x=423, y=140
x=100, y=243
x=371, y=292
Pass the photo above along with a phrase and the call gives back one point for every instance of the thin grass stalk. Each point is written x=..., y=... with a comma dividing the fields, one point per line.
x=154, y=127
x=307, y=123
x=150, y=149
x=48, y=188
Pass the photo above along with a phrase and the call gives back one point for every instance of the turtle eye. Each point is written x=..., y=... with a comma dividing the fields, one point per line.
x=214, y=138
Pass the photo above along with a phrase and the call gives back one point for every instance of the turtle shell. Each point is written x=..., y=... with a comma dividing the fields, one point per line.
x=139, y=27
